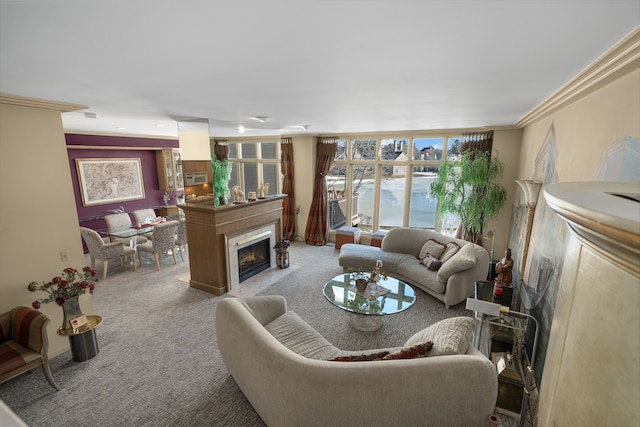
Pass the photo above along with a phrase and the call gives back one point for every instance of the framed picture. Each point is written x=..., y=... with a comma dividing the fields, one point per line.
x=109, y=180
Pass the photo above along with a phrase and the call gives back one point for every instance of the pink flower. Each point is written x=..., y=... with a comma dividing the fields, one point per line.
x=61, y=300
x=36, y=304
x=84, y=284
x=69, y=270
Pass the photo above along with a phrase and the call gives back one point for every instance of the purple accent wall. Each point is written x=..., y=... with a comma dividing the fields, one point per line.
x=91, y=216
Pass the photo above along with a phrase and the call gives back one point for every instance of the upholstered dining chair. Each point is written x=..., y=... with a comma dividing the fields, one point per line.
x=164, y=239
x=142, y=216
x=24, y=343
x=98, y=249
x=119, y=222
x=181, y=237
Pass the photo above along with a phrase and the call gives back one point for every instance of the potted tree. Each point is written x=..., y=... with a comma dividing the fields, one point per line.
x=468, y=187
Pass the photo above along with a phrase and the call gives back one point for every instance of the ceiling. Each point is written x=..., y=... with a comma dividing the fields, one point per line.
x=334, y=66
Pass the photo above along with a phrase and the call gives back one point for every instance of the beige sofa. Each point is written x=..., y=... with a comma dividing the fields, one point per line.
x=280, y=364
x=452, y=283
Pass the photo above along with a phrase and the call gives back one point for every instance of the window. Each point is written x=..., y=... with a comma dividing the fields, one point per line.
x=253, y=163
x=389, y=182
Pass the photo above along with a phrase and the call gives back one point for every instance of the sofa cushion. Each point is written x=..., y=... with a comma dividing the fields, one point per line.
x=449, y=336
x=452, y=249
x=432, y=247
x=464, y=259
x=299, y=337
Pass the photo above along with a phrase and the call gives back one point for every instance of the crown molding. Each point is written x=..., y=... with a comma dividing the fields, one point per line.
x=39, y=103
x=617, y=61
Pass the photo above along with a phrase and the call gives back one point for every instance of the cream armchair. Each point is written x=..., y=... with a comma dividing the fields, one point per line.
x=24, y=343
x=98, y=249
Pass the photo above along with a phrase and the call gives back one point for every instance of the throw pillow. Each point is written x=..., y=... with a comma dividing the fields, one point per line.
x=449, y=336
x=452, y=249
x=464, y=259
x=360, y=357
x=432, y=263
x=418, y=350
x=299, y=337
x=433, y=248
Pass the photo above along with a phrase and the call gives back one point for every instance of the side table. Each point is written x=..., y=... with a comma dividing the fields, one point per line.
x=83, y=341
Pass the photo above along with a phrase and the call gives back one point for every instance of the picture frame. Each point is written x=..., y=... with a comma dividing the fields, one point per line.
x=103, y=181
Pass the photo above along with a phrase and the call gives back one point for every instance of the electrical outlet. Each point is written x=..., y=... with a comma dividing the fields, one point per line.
x=65, y=256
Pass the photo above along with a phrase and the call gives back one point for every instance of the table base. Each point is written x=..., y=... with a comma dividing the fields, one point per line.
x=84, y=346
x=365, y=323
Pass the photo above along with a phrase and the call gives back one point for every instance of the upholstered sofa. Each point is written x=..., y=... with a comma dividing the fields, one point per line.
x=283, y=367
x=401, y=249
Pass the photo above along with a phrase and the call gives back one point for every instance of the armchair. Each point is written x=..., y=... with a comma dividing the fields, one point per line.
x=119, y=222
x=105, y=251
x=24, y=343
x=142, y=216
x=164, y=239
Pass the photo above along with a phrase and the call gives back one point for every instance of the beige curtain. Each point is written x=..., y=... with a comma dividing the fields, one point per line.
x=289, y=202
x=316, y=232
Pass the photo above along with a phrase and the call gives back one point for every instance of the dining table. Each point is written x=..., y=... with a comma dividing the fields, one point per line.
x=134, y=231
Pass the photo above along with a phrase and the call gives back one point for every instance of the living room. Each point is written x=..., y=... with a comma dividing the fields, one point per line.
x=595, y=113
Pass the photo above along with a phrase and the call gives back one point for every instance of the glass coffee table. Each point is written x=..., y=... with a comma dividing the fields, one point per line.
x=367, y=308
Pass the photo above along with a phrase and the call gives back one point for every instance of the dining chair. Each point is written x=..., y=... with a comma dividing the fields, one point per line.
x=181, y=237
x=119, y=222
x=163, y=240
x=144, y=216
x=106, y=251
x=24, y=344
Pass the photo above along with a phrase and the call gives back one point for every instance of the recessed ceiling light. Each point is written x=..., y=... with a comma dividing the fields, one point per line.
x=159, y=125
x=240, y=129
x=120, y=128
x=261, y=119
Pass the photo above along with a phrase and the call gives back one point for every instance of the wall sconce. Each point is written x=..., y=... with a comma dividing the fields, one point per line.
x=531, y=189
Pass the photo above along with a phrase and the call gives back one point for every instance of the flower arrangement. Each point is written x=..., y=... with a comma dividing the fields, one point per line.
x=282, y=244
x=70, y=284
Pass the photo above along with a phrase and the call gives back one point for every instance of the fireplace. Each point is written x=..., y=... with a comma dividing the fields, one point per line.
x=253, y=259
x=250, y=252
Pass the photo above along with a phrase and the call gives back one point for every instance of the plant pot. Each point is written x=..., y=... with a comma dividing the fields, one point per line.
x=361, y=285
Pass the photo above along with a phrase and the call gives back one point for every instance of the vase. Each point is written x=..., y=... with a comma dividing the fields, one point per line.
x=361, y=285
x=282, y=257
x=70, y=310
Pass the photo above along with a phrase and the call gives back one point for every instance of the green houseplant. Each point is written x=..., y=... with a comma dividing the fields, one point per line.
x=468, y=187
x=221, y=175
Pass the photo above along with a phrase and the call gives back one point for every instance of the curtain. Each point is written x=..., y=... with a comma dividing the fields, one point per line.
x=289, y=202
x=477, y=142
x=316, y=232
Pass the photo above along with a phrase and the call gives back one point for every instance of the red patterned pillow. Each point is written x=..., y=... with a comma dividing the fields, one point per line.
x=360, y=357
x=418, y=350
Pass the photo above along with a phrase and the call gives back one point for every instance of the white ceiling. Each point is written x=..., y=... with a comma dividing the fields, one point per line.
x=337, y=66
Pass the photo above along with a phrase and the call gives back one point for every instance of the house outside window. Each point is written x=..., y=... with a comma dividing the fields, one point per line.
x=381, y=183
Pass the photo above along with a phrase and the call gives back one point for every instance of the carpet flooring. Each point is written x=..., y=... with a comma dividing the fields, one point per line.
x=159, y=364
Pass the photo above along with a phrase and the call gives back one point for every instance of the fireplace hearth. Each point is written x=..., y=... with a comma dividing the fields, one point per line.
x=253, y=259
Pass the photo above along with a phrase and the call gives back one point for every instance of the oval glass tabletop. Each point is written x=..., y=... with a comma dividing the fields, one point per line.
x=391, y=295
